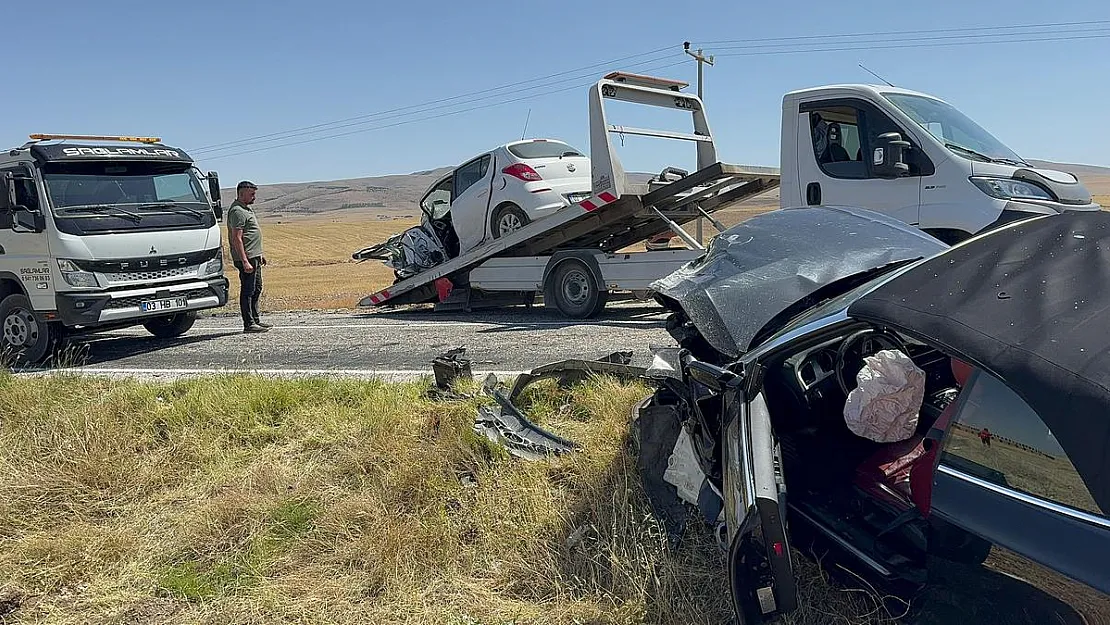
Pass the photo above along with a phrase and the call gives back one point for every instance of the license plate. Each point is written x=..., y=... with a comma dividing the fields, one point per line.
x=577, y=197
x=163, y=304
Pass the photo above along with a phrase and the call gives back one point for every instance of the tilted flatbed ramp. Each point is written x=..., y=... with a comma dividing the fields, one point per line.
x=619, y=212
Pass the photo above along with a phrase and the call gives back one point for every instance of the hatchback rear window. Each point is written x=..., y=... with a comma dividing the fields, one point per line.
x=543, y=149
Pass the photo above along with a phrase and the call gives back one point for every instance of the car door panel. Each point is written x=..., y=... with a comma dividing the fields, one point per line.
x=1044, y=565
x=761, y=572
x=1005, y=481
x=470, y=201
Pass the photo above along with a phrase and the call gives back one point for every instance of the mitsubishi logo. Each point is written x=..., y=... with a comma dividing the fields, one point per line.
x=152, y=250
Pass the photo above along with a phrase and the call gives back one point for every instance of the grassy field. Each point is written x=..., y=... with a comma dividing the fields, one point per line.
x=310, y=265
x=317, y=501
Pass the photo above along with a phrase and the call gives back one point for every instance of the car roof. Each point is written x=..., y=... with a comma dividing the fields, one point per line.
x=1029, y=303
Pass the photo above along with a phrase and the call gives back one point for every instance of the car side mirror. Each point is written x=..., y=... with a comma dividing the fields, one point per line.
x=29, y=220
x=888, y=156
x=214, y=191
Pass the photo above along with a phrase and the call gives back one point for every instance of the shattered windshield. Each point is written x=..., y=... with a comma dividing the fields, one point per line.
x=772, y=267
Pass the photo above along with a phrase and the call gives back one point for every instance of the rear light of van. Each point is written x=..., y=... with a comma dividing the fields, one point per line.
x=523, y=172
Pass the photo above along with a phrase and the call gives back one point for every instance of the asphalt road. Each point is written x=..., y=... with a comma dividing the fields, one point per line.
x=379, y=343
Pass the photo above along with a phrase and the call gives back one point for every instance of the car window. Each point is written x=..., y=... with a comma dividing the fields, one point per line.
x=470, y=173
x=997, y=437
x=543, y=149
x=438, y=201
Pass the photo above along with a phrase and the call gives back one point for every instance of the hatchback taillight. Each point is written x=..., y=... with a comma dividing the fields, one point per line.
x=522, y=171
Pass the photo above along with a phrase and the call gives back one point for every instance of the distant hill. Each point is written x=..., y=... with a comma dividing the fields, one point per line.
x=377, y=195
x=396, y=195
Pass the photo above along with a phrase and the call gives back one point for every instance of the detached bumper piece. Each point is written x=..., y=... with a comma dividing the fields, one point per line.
x=506, y=425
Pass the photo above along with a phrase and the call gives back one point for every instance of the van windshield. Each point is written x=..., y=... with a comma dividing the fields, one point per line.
x=957, y=131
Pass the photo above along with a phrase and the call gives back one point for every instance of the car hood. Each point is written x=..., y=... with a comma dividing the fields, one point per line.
x=1028, y=303
x=765, y=268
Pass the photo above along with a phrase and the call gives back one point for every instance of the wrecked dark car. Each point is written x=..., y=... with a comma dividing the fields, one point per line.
x=937, y=418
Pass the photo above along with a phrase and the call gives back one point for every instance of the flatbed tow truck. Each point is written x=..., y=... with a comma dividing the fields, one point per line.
x=573, y=258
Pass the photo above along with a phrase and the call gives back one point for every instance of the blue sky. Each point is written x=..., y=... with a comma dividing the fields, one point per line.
x=203, y=73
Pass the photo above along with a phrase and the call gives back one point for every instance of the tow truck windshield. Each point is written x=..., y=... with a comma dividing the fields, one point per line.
x=89, y=198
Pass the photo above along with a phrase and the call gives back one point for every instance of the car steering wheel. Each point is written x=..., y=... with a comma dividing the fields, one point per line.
x=859, y=345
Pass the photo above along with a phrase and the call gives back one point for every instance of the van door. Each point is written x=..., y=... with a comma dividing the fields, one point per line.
x=835, y=139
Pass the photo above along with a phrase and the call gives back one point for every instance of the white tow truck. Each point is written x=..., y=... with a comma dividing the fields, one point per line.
x=102, y=232
x=903, y=153
x=573, y=257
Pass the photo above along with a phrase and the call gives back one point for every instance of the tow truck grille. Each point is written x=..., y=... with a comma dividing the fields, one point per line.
x=133, y=302
x=147, y=276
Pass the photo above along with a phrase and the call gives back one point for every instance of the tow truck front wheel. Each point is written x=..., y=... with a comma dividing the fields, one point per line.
x=24, y=340
x=172, y=326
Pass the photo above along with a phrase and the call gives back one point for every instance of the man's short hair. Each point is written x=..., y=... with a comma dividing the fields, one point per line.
x=245, y=184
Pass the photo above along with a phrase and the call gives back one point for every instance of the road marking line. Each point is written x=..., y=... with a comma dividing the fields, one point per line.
x=406, y=374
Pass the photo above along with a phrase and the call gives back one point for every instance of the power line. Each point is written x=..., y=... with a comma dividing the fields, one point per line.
x=871, y=46
x=421, y=119
x=426, y=108
x=903, y=32
x=441, y=100
x=754, y=47
x=973, y=37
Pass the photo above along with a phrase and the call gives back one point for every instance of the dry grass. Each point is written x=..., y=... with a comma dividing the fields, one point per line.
x=310, y=265
x=318, y=501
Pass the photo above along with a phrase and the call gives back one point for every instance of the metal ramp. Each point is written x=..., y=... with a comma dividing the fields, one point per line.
x=620, y=212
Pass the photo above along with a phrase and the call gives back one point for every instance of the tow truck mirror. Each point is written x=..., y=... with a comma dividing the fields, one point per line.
x=30, y=220
x=214, y=191
x=888, y=156
x=7, y=191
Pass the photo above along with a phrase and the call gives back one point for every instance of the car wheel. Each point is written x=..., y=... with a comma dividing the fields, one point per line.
x=506, y=219
x=171, y=327
x=575, y=291
x=24, y=340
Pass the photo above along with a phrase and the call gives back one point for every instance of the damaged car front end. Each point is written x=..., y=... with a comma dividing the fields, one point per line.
x=849, y=358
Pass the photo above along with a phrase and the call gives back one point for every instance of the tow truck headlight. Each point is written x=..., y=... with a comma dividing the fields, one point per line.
x=1010, y=189
x=74, y=275
x=214, y=266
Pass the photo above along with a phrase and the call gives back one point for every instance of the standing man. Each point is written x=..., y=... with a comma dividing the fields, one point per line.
x=246, y=252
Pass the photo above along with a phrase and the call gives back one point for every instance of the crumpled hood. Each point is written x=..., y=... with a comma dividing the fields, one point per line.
x=759, y=269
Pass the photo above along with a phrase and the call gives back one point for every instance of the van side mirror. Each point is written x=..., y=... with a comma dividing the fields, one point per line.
x=214, y=191
x=888, y=156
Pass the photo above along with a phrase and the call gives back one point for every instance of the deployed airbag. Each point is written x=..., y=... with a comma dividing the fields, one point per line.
x=884, y=406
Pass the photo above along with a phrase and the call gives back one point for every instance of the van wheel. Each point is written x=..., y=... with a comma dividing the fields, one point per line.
x=24, y=340
x=575, y=291
x=171, y=327
x=507, y=218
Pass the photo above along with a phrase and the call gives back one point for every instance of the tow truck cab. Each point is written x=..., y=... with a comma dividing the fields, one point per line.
x=106, y=233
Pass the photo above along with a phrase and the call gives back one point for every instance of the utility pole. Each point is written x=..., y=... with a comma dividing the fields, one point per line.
x=702, y=60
